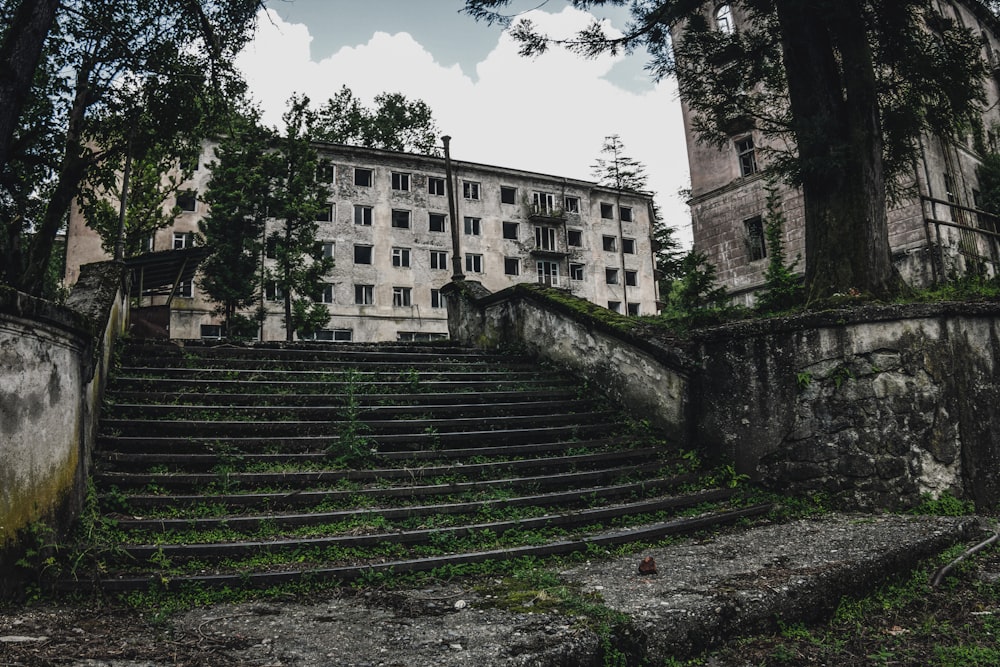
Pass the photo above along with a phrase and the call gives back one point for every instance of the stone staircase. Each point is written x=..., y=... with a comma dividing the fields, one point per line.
x=255, y=466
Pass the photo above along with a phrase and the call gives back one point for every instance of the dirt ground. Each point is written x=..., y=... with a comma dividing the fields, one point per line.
x=724, y=591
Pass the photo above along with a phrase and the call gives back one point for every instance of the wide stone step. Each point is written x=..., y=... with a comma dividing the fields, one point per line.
x=111, y=460
x=173, y=386
x=368, y=411
x=347, y=573
x=375, y=428
x=318, y=495
x=250, y=522
x=307, y=478
x=567, y=519
x=387, y=442
x=377, y=395
x=193, y=352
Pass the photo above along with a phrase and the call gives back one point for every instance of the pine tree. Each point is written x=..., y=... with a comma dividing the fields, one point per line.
x=782, y=287
x=300, y=198
x=240, y=194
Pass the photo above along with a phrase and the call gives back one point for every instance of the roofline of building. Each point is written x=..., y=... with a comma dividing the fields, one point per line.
x=457, y=165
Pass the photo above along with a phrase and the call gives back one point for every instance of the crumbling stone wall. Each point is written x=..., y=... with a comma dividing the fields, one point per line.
x=874, y=407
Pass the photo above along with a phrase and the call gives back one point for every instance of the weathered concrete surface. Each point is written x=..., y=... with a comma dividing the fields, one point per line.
x=53, y=364
x=705, y=591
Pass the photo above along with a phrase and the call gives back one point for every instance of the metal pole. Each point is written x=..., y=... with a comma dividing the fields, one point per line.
x=456, y=250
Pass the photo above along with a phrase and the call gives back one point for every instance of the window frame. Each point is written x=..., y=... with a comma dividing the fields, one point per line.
x=609, y=243
x=402, y=297
x=360, y=171
x=472, y=225
x=472, y=190
x=611, y=276
x=746, y=155
x=364, y=294
x=431, y=216
x=628, y=246
x=510, y=230
x=397, y=220
x=473, y=262
x=370, y=251
x=512, y=262
x=505, y=190
x=367, y=215
x=439, y=260
x=432, y=186
x=401, y=257
x=577, y=271
x=399, y=181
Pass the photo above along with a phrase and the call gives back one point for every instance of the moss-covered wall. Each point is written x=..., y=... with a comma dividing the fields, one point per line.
x=874, y=406
x=53, y=365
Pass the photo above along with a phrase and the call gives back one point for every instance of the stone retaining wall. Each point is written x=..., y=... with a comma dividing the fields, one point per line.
x=874, y=406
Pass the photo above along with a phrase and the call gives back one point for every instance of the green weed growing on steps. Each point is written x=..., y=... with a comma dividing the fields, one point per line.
x=354, y=446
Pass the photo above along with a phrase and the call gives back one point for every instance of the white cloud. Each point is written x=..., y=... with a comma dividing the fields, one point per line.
x=548, y=114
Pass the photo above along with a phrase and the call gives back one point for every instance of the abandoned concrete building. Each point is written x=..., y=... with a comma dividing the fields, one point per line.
x=935, y=228
x=388, y=230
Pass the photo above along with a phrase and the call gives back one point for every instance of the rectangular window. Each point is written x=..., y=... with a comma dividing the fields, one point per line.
x=473, y=263
x=400, y=219
x=185, y=289
x=472, y=226
x=543, y=203
x=631, y=278
x=211, y=331
x=625, y=213
x=439, y=260
x=273, y=292
x=545, y=238
x=187, y=200
x=400, y=181
x=183, y=240
x=363, y=177
x=362, y=254
x=628, y=246
x=608, y=211
x=436, y=222
x=756, y=244
x=571, y=204
x=615, y=306
x=271, y=247
x=745, y=154
x=331, y=335
x=326, y=214
x=508, y=195
x=609, y=243
x=548, y=272
x=401, y=257
x=576, y=271
x=574, y=238
x=512, y=266
x=401, y=297
x=437, y=299
x=364, y=295
x=510, y=230
x=470, y=189
x=632, y=309
x=324, y=249
x=435, y=185
x=325, y=171
x=363, y=215
x=611, y=276
x=324, y=293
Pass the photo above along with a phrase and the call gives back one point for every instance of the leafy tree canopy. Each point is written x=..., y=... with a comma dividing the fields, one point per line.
x=113, y=78
x=849, y=85
x=394, y=123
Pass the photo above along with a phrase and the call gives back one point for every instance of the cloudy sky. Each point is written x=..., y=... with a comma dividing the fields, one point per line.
x=548, y=114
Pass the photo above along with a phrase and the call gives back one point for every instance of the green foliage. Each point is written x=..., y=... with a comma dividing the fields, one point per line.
x=240, y=194
x=395, y=123
x=803, y=380
x=299, y=199
x=945, y=504
x=782, y=288
x=695, y=298
x=116, y=78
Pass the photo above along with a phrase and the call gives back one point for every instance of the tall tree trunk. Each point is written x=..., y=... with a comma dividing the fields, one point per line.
x=76, y=160
x=19, y=56
x=833, y=96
